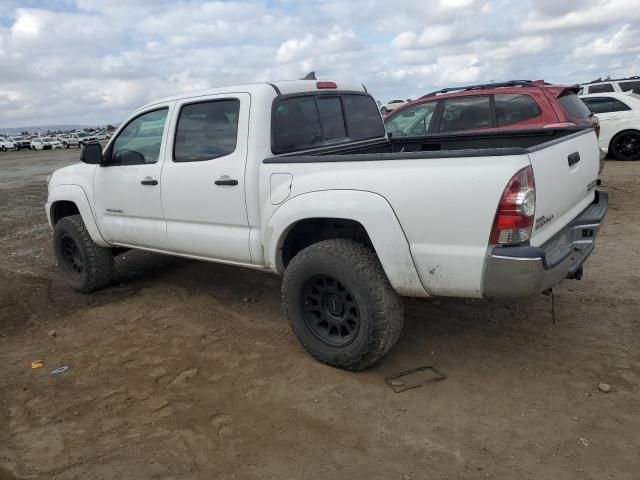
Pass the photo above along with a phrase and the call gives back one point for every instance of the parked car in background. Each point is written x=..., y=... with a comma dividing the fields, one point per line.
x=391, y=106
x=619, y=115
x=45, y=143
x=6, y=144
x=629, y=84
x=103, y=135
x=299, y=178
x=79, y=139
x=21, y=143
x=494, y=107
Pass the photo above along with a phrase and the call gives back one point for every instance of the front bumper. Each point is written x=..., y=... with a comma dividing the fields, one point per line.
x=513, y=272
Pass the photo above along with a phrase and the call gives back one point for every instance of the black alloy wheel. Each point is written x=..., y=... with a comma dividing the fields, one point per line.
x=626, y=145
x=330, y=311
x=72, y=256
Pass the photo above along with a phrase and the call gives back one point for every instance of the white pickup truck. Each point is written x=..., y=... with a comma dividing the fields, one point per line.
x=300, y=178
x=78, y=140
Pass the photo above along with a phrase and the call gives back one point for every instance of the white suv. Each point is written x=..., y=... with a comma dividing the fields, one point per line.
x=392, y=105
x=619, y=115
x=6, y=144
x=630, y=84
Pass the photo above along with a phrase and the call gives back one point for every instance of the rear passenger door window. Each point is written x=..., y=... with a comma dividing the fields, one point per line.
x=515, y=108
x=206, y=130
x=601, y=88
x=466, y=113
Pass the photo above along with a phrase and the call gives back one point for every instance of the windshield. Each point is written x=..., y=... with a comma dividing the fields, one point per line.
x=82, y=135
x=48, y=139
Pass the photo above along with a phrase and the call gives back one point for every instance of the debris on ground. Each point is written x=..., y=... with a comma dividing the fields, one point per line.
x=584, y=442
x=52, y=333
x=604, y=387
x=59, y=370
x=37, y=364
x=414, y=378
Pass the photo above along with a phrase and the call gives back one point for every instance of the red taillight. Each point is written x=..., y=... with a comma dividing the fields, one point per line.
x=321, y=85
x=516, y=210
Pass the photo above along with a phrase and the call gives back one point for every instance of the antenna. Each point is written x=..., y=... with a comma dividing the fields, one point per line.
x=310, y=76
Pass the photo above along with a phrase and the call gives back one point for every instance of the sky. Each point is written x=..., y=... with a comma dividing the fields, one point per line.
x=94, y=61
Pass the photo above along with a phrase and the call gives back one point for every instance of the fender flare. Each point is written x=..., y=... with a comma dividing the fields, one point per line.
x=369, y=209
x=77, y=195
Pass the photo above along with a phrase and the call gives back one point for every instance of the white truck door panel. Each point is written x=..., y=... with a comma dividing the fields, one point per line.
x=203, y=179
x=127, y=193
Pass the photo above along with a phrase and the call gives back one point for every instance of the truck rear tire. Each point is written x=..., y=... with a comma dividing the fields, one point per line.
x=341, y=305
x=86, y=266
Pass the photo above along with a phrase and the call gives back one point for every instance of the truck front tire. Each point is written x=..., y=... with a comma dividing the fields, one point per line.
x=86, y=266
x=341, y=305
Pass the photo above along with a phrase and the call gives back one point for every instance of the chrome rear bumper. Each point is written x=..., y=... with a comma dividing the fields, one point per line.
x=513, y=272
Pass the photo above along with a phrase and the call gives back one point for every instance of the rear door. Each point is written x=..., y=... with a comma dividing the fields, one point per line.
x=203, y=179
x=565, y=176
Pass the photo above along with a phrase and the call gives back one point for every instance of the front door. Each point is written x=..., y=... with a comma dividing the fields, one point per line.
x=203, y=184
x=127, y=185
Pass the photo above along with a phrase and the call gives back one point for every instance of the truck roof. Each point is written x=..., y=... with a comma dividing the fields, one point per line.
x=282, y=87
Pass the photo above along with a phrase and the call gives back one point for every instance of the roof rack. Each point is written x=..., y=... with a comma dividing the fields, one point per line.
x=601, y=80
x=510, y=83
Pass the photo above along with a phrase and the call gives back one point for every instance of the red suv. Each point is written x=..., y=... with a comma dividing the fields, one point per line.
x=494, y=107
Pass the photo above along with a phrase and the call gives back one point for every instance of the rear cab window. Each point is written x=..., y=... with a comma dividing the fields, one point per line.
x=312, y=120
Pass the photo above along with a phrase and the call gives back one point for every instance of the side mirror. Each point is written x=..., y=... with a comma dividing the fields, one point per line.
x=91, y=154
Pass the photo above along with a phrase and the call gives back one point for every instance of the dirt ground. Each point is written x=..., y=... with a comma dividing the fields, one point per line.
x=188, y=370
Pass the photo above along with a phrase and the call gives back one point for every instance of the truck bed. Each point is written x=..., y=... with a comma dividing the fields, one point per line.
x=437, y=146
x=444, y=190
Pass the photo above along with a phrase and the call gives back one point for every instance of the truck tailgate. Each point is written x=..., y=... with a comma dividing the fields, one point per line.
x=565, y=172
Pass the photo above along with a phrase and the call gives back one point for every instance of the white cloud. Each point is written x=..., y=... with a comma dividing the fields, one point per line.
x=581, y=15
x=92, y=61
x=626, y=39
